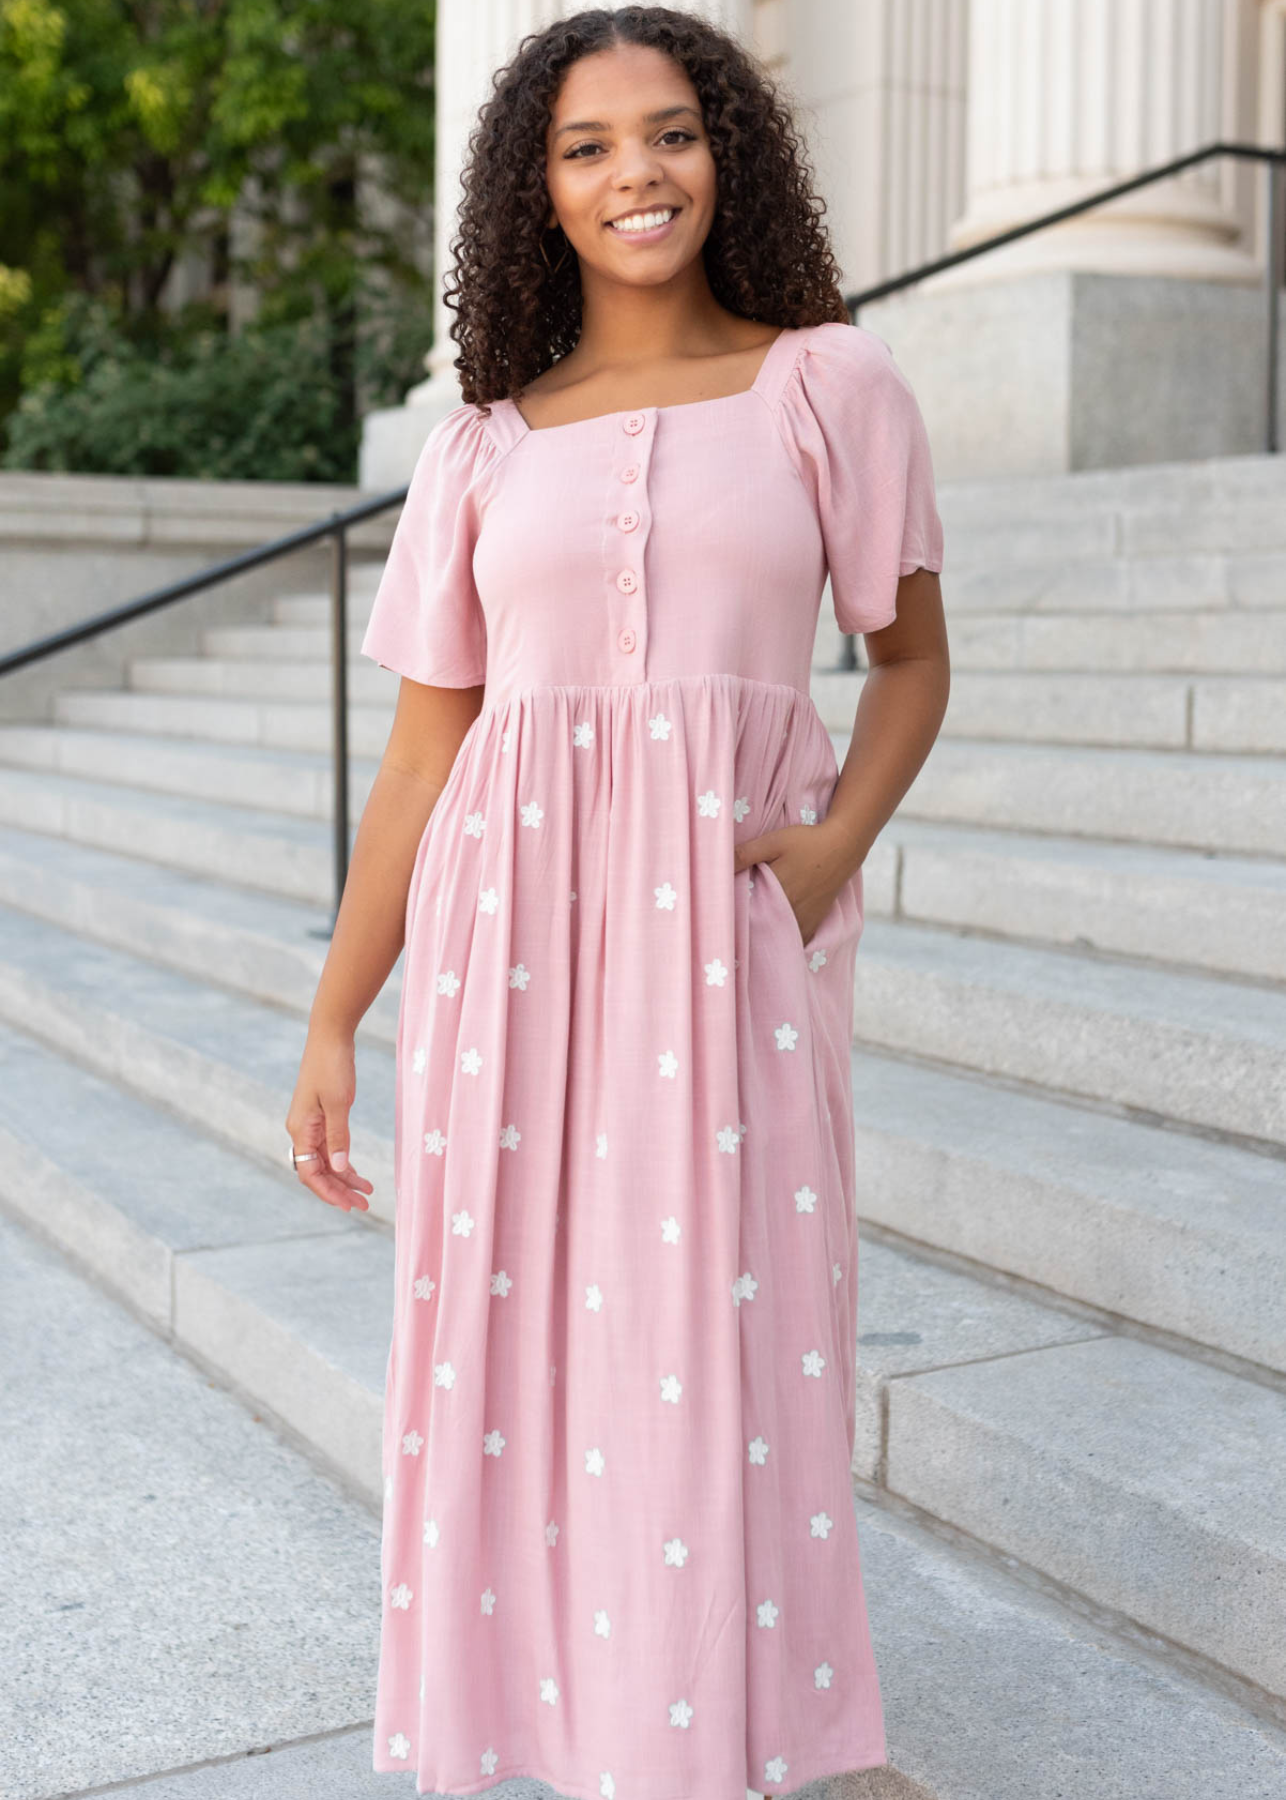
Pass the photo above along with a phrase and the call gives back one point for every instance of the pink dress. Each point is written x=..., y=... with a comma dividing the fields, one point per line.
x=619, y=1545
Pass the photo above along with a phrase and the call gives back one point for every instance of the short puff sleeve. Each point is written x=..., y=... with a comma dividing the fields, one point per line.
x=854, y=428
x=426, y=620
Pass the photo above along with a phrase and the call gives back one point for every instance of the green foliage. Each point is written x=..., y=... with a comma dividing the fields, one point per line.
x=257, y=406
x=129, y=136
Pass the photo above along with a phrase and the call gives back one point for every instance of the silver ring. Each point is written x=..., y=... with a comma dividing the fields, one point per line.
x=295, y=1160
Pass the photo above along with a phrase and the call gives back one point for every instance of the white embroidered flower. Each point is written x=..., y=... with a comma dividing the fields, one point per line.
x=461, y=1223
x=776, y=1769
x=573, y=893
x=595, y=1462
x=488, y=900
x=667, y=1064
x=786, y=1036
x=434, y=1142
x=821, y=1524
x=474, y=824
x=488, y=1602
x=549, y=1689
x=741, y=1130
x=728, y=1138
x=532, y=813
x=401, y=1597
x=488, y=1760
x=676, y=1553
x=448, y=983
x=583, y=735
x=399, y=1745
x=767, y=1613
x=708, y=804
x=505, y=736
x=740, y=807
x=666, y=896
x=606, y=1786
x=551, y=1533
x=758, y=1448
x=412, y=1443
x=519, y=976
x=671, y=1388
x=602, y=1624
x=680, y=1713
x=600, y=1144
x=805, y=1199
x=424, y=1286
x=501, y=1284
x=659, y=726
x=593, y=1298
x=813, y=1362
x=836, y=1272
x=444, y=1374
x=471, y=1060
x=822, y=1675
x=492, y=1443
x=670, y=1230
x=431, y=1533
x=808, y=815
x=509, y=1136
x=743, y=1288
x=817, y=960
x=716, y=973
x=417, y=1062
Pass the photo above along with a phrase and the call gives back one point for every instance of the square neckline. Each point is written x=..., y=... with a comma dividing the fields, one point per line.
x=757, y=386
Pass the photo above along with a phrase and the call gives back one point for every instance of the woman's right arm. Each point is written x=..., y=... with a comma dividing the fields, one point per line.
x=428, y=728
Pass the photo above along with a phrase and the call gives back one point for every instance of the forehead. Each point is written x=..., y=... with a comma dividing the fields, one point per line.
x=626, y=85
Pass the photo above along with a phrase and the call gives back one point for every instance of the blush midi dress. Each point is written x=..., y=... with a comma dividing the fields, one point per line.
x=619, y=1546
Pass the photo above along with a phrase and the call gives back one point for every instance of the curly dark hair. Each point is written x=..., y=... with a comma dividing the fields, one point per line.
x=767, y=255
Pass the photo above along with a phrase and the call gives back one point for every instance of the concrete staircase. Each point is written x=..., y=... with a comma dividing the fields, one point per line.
x=1070, y=1079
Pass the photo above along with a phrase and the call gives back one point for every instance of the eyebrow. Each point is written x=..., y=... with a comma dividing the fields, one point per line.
x=652, y=118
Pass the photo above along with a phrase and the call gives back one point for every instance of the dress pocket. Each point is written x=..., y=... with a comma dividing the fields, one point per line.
x=833, y=922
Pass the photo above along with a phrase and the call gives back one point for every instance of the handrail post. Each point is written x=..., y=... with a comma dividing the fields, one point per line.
x=1273, y=224
x=339, y=703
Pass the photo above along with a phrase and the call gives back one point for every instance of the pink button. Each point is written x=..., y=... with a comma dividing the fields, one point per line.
x=627, y=581
x=626, y=639
x=630, y=472
x=628, y=521
x=634, y=423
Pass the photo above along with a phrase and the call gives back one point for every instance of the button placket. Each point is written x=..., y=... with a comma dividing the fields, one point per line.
x=625, y=541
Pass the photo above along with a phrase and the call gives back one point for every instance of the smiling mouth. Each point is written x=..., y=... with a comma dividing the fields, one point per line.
x=646, y=223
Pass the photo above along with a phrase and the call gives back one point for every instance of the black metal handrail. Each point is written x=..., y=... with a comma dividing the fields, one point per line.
x=337, y=526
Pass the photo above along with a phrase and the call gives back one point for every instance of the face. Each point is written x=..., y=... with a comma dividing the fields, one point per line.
x=626, y=140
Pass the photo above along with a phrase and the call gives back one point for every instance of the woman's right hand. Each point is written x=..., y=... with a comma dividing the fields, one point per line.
x=318, y=1119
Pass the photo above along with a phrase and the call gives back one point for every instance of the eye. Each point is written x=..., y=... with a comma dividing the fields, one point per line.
x=673, y=131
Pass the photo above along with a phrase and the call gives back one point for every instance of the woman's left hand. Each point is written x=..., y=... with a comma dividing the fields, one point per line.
x=812, y=864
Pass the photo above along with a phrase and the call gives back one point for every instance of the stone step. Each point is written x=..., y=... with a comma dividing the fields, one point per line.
x=292, y=1308
x=1210, y=642
x=295, y=783
x=1150, y=1483
x=266, y=678
x=282, y=724
x=1183, y=1235
x=1244, y=714
x=257, y=944
x=1214, y=913
x=1203, y=1052
x=1218, y=914
x=224, y=1063
x=269, y=852
x=1235, y=804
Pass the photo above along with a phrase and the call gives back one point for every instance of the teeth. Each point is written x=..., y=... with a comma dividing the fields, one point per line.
x=643, y=221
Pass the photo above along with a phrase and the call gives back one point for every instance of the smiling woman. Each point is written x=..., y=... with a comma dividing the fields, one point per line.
x=620, y=1549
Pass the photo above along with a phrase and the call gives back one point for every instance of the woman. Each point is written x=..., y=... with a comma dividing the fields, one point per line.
x=619, y=1544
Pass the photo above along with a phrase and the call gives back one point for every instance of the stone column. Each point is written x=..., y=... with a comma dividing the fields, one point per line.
x=1068, y=97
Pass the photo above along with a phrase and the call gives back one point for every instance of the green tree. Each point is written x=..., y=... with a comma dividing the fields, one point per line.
x=130, y=132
